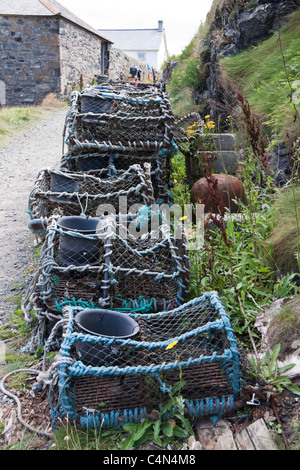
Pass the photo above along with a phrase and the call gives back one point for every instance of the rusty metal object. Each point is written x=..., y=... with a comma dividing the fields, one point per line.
x=220, y=191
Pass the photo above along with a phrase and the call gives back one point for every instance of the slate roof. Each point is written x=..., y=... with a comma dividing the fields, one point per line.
x=44, y=8
x=135, y=39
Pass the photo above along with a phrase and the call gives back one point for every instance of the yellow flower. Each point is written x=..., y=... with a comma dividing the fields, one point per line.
x=192, y=129
x=206, y=117
x=210, y=124
x=171, y=345
x=183, y=218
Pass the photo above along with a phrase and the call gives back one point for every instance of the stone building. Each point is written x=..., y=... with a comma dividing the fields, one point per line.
x=44, y=48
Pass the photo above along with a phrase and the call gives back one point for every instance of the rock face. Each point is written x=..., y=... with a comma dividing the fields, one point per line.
x=237, y=25
x=270, y=323
x=249, y=27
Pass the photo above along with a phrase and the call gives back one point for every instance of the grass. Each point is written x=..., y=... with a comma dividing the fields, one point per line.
x=13, y=120
x=265, y=74
x=285, y=233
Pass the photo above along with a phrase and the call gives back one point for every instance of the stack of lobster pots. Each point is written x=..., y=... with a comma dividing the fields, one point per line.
x=114, y=274
x=116, y=169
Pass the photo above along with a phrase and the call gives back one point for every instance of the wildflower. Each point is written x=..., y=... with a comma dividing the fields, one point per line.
x=171, y=345
x=210, y=125
x=207, y=117
x=183, y=218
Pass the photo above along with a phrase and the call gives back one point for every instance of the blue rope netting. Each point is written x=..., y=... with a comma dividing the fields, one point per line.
x=195, y=347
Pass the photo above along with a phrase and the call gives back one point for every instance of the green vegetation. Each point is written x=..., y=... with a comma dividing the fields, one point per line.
x=268, y=76
x=284, y=327
x=13, y=119
x=285, y=234
x=186, y=77
x=267, y=370
x=237, y=261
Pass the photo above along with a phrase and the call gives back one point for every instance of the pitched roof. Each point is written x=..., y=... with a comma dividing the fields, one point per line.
x=44, y=8
x=135, y=39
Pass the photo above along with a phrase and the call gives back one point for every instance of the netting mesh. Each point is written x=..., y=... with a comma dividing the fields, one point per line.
x=119, y=117
x=94, y=161
x=187, y=128
x=100, y=261
x=59, y=192
x=112, y=380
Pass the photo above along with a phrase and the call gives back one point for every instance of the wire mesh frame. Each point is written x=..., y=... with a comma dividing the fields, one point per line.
x=111, y=395
x=61, y=192
x=180, y=128
x=160, y=167
x=152, y=272
x=122, y=130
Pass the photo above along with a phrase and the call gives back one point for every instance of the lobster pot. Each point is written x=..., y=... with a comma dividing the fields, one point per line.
x=135, y=90
x=114, y=119
x=187, y=129
x=108, y=380
x=113, y=162
x=119, y=264
x=59, y=192
x=122, y=100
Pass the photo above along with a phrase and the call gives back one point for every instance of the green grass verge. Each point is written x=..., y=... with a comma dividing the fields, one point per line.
x=268, y=75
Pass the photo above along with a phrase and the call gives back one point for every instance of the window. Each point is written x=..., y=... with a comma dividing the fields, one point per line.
x=141, y=55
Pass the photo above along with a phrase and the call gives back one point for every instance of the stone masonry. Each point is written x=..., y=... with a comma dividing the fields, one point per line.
x=30, y=58
x=42, y=55
x=80, y=53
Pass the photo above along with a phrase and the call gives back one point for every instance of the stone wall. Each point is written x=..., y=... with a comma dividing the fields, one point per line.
x=120, y=63
x=29, y=52
x=80, y=54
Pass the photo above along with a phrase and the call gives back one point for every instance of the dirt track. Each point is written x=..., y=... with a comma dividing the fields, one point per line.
x=39, y=146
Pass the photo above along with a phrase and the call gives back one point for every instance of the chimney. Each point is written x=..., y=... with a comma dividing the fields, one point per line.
x=160, y=26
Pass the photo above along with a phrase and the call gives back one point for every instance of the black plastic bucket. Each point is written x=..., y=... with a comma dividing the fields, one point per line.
x=92, y=162
x=78, y=250
x=63, y=183
x=106, y=324
x=92, y=103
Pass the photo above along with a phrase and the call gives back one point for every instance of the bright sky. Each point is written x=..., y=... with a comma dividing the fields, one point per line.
x=181, y=20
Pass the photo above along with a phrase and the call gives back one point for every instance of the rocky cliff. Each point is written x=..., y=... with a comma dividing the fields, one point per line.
x=237, y=25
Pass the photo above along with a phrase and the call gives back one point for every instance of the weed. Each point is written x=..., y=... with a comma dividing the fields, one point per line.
x=69, y=437
x=268, y=371
x=170, y=425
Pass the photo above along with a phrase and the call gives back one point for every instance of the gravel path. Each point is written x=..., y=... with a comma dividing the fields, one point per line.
x=39, y=146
